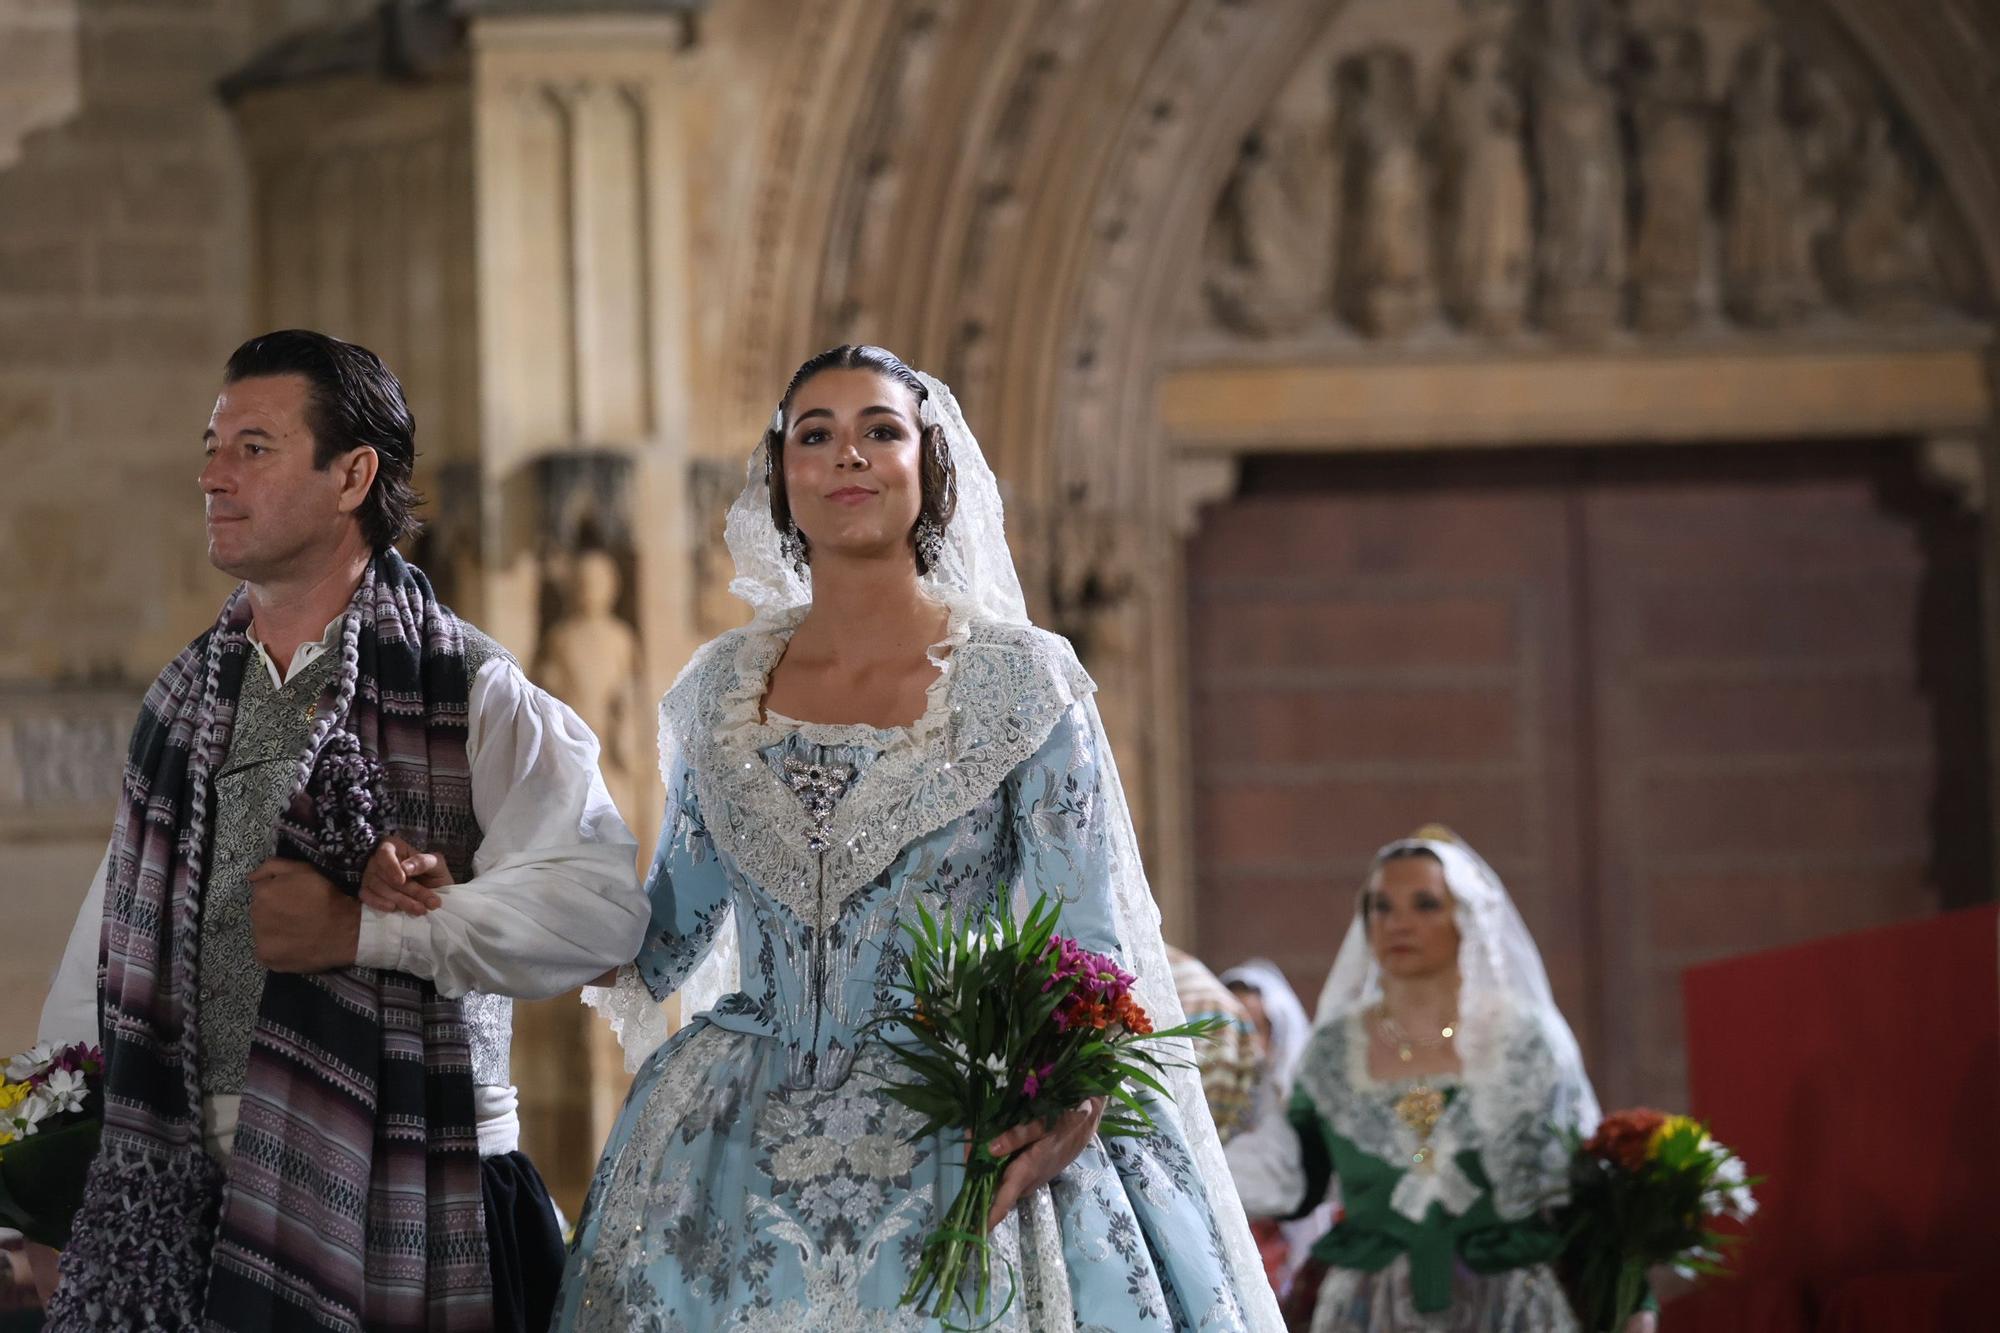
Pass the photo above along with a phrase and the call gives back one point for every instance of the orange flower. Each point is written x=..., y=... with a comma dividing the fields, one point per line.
x=1132, y=1016
x=1092, y=1014
x=1624, y=1137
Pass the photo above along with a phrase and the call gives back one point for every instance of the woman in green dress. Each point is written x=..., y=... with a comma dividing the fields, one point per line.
x=1435, y=1087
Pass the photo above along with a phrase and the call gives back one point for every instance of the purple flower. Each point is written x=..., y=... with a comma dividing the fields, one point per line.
x=1031, y=1086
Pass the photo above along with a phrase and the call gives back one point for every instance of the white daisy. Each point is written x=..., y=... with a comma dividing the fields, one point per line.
x=64, y=1090
x=30, y=1062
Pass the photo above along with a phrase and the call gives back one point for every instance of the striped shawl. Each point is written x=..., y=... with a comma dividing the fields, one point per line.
x=352, y=1200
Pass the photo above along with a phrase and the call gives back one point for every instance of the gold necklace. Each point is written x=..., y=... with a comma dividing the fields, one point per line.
x=1405, y=1044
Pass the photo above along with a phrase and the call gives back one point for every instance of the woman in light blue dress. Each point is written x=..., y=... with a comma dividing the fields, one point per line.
x=903, y=738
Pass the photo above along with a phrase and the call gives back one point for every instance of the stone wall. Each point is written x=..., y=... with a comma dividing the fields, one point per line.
x=124, y=277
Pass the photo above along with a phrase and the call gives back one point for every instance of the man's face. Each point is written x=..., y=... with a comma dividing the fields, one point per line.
x=272, y=515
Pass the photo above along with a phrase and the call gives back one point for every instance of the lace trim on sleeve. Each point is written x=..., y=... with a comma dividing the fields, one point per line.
x=636, y=1018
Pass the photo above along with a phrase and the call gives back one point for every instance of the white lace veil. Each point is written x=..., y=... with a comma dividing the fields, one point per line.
x=1290, y=1028
x=1500, y=970
x=973, y=570
x=974, y=574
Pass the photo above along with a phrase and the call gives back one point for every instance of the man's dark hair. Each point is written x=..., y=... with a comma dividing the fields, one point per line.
x=352, y=401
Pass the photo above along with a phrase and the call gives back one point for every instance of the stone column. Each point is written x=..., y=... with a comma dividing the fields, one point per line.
x=582, y=269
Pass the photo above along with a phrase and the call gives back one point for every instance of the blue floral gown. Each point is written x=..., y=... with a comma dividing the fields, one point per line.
x=758, y=1178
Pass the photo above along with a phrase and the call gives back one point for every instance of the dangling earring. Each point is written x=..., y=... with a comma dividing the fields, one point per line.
x=793, y=543
x=929, y=542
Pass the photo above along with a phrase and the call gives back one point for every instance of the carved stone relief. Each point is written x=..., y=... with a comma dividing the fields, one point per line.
x=1768, y=210
x=1270, y=259
x=1386, y=258
x=889, y=131
x=1879, y=254
x=1580, y=169
x=1673, y=128
x=991, y=251
x=63, y=755
x=1587, y=168
x=1486, y=234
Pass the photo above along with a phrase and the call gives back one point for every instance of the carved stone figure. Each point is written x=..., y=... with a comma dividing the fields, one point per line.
x=1580, y=171
x=1879, y=255
x=1674, y=130
x=1270, y=261
x=590, y=659
x=1385, y=274
x=1767, y=264
x=1487, y=226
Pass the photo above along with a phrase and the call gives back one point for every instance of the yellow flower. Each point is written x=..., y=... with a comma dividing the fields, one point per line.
x=1672, y=1126
x=11, y=1095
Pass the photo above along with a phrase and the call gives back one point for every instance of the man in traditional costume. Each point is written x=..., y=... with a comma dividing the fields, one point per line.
x=309, y=1119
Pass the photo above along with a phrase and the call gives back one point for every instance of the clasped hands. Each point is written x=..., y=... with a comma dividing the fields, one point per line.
x=305, y=924
x=300, y=921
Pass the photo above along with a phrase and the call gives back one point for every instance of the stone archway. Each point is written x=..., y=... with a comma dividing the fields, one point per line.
x=1831, y=288
x=1026, y=193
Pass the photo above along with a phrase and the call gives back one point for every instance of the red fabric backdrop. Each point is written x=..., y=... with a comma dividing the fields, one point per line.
x=1861, y=1076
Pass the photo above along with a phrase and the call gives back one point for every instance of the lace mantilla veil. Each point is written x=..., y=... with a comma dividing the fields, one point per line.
x=973, y=576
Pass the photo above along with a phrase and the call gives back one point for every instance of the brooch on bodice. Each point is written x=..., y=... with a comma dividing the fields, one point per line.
x=1420, y=1109
x=819, y=788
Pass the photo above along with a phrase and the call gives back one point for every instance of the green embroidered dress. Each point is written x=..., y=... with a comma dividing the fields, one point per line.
x=1444, y=1230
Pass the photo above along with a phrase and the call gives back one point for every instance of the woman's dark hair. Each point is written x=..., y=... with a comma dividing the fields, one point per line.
x=1399, y=852
x=938, y=480
x=352, y=401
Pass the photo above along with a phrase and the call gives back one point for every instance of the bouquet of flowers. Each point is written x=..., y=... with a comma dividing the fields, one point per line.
x=1647, y=1188
x=1009, y=1022
x=51, y=1107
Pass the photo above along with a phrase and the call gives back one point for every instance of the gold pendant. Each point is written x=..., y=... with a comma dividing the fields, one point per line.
x=1405, y=1054
x=1421, y=1109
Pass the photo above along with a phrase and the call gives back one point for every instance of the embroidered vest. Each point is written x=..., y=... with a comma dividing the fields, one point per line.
x=253, y=785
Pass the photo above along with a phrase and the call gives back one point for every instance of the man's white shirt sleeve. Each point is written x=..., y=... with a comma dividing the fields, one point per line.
x=554, y=899
x=69, y=1014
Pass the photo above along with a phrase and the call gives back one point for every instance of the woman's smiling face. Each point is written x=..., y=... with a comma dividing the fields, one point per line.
x=852, y=453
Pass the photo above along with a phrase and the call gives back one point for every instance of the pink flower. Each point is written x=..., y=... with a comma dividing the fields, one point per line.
x=1031, y=1086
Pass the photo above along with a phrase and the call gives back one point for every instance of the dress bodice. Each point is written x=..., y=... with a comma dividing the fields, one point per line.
x=819, y=964
x=821, y=840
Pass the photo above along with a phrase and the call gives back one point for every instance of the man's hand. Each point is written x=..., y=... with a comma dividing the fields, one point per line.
x=399, y=878
x=300, y=921
x=42, y=1262
x=1043, y=1153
